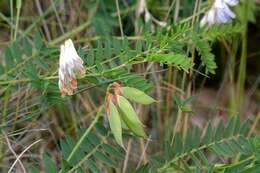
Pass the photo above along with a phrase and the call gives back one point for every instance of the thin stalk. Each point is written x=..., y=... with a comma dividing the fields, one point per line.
x=179, y=114
x=189, y=87
x=176, y=125
x=169, y=11
x=77, y=146
x=169, y=93
x=3, y=121
x=242, y=66
x=177, y=9
x=12, y=16
x=18, y=7
x=119, y=18
x=170, y=70
x=57, y=17
x=129, y=147
x=22, y=153
x=45, y=26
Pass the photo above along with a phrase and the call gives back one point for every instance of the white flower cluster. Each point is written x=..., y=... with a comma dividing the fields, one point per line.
x=219, y=12
x=70, y=66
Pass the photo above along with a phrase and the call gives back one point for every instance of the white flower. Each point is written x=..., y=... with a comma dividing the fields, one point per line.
x=70, y=66
x=219, y=12
x=142, y=8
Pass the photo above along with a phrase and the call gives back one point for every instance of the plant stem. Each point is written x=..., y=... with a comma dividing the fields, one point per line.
x=12, y=16
x=75, y=149
x=119, y=19
x=242, y=66
x=176, y=125
x=170, y=69
x=18, y=7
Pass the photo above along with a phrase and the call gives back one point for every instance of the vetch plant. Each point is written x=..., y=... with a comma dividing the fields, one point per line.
x=112, y=124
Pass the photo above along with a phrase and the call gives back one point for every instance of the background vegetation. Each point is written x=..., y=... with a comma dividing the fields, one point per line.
x=205, y=82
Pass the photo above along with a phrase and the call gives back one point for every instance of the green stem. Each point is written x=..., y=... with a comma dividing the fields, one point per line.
x=235, y=164
x=242, y=66
x=176, y=126
x=119, y=19
x=18, y=7
x=75, y=149
x=12, y=16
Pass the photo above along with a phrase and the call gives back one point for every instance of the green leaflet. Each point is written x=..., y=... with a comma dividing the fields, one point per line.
x=186, y=109
x=207, y=58
x=136, y=95
x=50, y=166
x=115, y=123
x=180, y=61
x=130, y=117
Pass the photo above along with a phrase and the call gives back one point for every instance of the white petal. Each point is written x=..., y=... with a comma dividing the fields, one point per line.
x=212, y=16
x=70, y=49
x=222, y=17
x=231, y=2
x=70, y=65
x=218, y=4
x=62, y=54
x=229, y=12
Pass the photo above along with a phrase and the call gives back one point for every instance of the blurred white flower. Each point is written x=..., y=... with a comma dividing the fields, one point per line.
x=142, y=8
x=219, y=12
x=70, y=66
